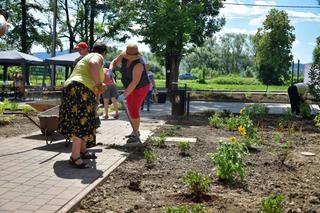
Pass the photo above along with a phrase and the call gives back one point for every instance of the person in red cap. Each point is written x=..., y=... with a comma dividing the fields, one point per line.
x=82, y=48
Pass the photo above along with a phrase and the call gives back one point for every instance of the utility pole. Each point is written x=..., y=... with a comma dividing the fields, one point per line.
x=298, y=70
x=54, y=40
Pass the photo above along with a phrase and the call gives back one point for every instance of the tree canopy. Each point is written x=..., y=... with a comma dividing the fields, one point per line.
x=273, y=45
x=171, y=26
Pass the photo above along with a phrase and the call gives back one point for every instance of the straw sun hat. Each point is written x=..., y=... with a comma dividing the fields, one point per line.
x=132, y=52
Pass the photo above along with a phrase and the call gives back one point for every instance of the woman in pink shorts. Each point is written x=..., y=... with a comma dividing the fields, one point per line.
x=135, y=81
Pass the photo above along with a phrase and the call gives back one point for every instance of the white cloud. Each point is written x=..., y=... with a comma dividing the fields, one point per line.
x=257, y=15
x=236, y=30
x=296, y=43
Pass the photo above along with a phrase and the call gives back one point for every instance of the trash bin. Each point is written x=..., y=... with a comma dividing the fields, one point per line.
x=162, y=97
x=178, y=107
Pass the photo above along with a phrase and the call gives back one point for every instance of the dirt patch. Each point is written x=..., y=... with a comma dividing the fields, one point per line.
x=273, y=168
x=19, y=125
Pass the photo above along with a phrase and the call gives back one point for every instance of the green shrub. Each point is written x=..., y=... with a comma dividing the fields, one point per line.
x=6, y=103
x=255, y=111
x=232, y=123
x=27, y=109
x=273, y=204
x=197, y=182
x=166, y=133
x=14, y=106
x=198, y=208
x=158, y=141
x=215, y=120
x=235, y=79
x=149, y=156
x=305, y=110
x=228, y=160
x=317, y=121
x=184, y=146
x=277, y=137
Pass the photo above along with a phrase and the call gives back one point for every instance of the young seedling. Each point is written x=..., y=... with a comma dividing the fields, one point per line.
x=150, y=157
x=216, y=121
x=198, y=208
x=197, y=182
x=277, y=137
x=158, y=141
x=184, y=146
x=228, y=160
x=273, y=204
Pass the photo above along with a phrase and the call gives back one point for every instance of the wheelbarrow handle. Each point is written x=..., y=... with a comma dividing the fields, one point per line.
x=22, y=113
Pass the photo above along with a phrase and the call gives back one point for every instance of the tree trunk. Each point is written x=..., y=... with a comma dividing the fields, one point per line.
x=24, y=35
x=86, y=24
x=92, y=15
x=167, y=71
x=70, y=30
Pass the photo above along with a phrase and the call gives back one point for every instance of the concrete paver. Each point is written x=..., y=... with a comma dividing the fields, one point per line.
x=36, y=177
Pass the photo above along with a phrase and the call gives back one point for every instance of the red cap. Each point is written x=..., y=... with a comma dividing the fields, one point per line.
x=81, y=45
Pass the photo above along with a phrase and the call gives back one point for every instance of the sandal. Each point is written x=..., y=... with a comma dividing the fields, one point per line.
x=82, y=165
x=116, y=116
x=106, y=117
x=88, y=155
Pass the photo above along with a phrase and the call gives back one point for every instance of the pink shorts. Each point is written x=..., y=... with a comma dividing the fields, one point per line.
x=135, y=99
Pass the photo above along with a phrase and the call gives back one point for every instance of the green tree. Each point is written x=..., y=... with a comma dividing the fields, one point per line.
x=230, y=53
x=316, y=52
x=168, y=26
x=314, y=71
x=273, y=45
x=28, y=29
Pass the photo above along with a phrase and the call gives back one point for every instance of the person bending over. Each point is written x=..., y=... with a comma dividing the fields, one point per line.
x=135, y=81
x=297, y=95
x=77, y=114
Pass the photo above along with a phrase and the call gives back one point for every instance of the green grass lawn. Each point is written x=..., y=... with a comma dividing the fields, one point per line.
x=232, y=83
x=223, y=83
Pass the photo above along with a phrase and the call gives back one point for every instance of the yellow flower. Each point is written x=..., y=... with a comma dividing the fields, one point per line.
x=73, y=91
x=233, y=139
x=242, y=130
x=74, y=109
x=90, y=108
x=91, y=138
x=84, y=96
x=83, y=121
x=86, y=138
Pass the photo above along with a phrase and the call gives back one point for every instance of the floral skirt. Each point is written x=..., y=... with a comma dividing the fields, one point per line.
x=77, y=114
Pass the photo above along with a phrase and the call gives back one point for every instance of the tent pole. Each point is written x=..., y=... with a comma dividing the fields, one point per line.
x=5, y=73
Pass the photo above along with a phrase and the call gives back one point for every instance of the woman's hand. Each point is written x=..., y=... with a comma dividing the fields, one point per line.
x=98, y=89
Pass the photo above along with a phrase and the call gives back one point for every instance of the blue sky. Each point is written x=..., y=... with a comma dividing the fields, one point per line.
x=247, y=19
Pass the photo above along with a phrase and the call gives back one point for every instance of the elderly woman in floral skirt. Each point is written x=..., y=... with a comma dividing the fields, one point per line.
x=77, y=116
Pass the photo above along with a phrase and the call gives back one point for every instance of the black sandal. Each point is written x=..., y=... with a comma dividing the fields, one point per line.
x=72, y=162
x=88, y=155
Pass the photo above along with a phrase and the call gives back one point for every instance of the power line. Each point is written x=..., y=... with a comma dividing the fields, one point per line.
x=268, y=5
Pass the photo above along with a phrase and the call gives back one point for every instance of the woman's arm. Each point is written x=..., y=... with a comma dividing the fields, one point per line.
x=95, y=64
x=115, y=62
x=136, y=76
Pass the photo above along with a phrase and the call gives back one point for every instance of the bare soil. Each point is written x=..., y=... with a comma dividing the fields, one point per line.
x=271, y=168
x=20, y=125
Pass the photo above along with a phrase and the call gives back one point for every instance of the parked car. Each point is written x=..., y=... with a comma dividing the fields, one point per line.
x=187, y=76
